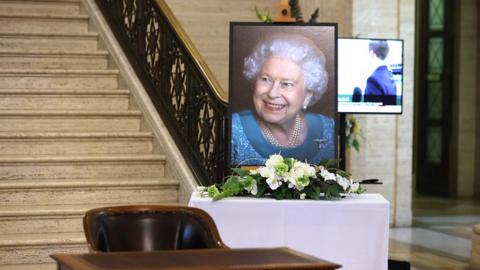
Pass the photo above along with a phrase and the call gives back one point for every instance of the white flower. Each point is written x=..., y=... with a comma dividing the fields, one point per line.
x=302, y=196
x=253, y=171
x=273, y=161
x=253, y=189
x=266, y=172
x=290, y=184
x=354, y=187
x=298, y=176
x=343, y=182
x=289, y=178
x=301, y=169
x=274, y=182
x=327, y=175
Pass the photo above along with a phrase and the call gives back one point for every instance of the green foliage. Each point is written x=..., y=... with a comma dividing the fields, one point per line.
x=296, y=10
x=314, y=16
x=353, y=133
x=263, y=17
x=329, y=163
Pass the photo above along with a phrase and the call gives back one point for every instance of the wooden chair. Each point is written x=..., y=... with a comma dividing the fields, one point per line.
x=149, y=227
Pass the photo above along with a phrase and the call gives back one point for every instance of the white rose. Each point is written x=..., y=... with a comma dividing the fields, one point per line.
x=301, y=169
x=254, y=171
x=343, y=182
x=354, y=187
x=274, y=160
x=302, y=196
x=289, y=178
x=266, y=172
x=273, y=182
x=291, y=185
x=327, y=175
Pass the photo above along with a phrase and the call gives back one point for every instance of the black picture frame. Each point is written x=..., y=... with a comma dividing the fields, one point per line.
x=243, y=38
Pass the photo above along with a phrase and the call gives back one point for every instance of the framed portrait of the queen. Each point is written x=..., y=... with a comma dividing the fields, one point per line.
x=282, y=92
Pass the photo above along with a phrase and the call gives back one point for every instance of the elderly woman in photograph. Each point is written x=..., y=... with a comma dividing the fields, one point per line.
x=288, y=71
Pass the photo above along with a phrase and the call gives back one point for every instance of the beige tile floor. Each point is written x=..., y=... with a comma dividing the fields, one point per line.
x=440, y=237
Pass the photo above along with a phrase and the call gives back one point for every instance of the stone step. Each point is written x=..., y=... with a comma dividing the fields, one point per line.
x=39, y=266
x=36, y=248
x=16, y=171
x=44, y=59
x=85, y=143
x=140, y=191
x=117, y=191
x=69, y=121
x=46, y=7
x=48, y=218
x=21, y=41
x=13, y=23
x=63, y=99
x=58, y=79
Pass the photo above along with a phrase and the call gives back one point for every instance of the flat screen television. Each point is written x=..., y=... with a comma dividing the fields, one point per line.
x=370, y=76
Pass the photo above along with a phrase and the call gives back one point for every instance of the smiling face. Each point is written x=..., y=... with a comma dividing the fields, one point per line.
x=279, y=91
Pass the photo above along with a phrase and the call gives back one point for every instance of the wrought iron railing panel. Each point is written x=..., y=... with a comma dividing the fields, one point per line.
x=195, y=116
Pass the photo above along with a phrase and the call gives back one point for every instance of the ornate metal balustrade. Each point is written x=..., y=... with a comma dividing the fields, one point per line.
x=185, y=94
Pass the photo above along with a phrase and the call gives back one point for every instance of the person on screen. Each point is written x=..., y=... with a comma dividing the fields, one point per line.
x=357, y=94
x=289, y=75
x=380, y=87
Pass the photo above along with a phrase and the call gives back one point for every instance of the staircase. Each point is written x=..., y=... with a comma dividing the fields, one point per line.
x=70, y=136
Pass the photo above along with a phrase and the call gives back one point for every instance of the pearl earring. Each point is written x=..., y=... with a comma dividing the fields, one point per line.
x=305, y=103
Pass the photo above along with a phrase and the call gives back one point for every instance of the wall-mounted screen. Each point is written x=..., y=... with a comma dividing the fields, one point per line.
x=370, y=75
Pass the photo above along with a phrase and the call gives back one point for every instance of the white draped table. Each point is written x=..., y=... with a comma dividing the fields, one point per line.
x=352, y=232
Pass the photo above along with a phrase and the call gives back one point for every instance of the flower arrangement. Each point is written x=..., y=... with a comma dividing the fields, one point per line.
x=287, y=178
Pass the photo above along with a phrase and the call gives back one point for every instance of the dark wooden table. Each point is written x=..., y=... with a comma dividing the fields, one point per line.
x=238, y=259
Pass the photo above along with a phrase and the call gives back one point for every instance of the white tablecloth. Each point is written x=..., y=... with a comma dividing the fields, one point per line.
x=352, y=232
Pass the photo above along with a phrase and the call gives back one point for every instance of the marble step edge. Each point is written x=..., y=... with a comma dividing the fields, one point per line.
x=50, y=35
x=41, y=239
x=117, y=182
x=82, y=17
x=40, y=266
x=49, y=72
x=72, y=113
x=40, y=1
x=61, y=209
x=138, y=135
x=84, y=159
x=41, y=91
x=27, y=52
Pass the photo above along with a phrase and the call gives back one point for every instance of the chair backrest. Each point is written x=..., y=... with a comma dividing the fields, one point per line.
x=149, y=227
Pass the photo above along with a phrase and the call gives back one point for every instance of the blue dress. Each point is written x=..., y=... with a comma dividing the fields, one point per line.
x=250, y=147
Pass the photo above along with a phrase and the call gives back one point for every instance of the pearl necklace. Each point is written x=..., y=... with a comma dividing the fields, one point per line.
x=293, y=138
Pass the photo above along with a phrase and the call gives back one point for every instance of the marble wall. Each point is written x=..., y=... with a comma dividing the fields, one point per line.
x=466, y=80
x=386, y=151
x=387, y=157
x=477, y=145
x=207, y=24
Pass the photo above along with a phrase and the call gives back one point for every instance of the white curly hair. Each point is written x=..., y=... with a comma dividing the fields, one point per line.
x=297, y=48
